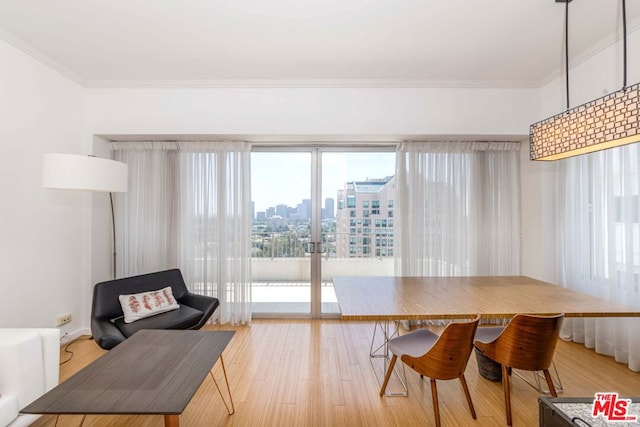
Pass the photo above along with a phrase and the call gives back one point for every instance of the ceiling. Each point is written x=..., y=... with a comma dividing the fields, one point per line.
x=461, y=43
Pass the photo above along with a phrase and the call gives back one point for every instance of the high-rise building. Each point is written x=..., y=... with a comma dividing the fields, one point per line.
x=307, y=209
x=329, y=208
x=364, y=219
x=301, y=211
x=282, y=210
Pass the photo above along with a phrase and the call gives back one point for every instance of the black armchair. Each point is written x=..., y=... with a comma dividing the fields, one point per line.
x=107, y=322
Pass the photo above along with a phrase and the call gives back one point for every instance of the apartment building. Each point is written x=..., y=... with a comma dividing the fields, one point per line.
x=364, y=219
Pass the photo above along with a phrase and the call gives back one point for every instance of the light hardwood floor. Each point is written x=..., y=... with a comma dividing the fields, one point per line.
x=318, y=373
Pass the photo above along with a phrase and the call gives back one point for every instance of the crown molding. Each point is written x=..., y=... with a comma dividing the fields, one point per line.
x=308, y=83
x=592, y=51
x=39, y=56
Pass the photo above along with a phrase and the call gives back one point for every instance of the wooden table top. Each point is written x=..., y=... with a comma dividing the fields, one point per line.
x=152, y=372
x=418, y=298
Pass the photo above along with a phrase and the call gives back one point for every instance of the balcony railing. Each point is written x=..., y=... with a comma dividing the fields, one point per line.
x=285, y=258
x=296, y=244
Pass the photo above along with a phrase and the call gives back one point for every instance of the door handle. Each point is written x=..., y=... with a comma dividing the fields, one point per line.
x=315, y=248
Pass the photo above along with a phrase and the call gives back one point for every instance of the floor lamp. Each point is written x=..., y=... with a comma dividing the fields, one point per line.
x=86, y=173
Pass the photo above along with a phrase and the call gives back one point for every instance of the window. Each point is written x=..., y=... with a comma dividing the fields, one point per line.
x=351, y=201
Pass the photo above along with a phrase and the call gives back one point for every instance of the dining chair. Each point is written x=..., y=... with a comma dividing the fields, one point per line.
x=527, y=343
x=439, y=357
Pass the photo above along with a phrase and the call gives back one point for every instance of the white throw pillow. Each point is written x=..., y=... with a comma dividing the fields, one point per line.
x=146, y=304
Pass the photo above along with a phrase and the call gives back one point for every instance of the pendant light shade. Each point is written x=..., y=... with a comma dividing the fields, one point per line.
x=607, y=122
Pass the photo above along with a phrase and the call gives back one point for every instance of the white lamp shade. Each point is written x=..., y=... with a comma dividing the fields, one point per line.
x=87, y=173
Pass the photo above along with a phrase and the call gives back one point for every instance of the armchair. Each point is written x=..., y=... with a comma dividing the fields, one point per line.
x=108, y=326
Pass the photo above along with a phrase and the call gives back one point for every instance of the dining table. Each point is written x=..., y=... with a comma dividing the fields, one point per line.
x=389, y=300
x=496, y=297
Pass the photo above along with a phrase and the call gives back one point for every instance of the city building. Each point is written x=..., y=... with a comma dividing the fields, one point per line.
x=364, y=221
x=328, y=212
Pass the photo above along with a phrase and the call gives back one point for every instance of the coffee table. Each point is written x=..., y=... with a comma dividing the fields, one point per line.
x=153, y=372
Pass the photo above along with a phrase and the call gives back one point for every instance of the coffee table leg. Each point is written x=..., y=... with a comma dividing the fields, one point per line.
x=171, y=420
x=231, y=410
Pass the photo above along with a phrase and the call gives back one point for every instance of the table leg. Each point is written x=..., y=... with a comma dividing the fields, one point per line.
x=172, y=421
x=381, y=352
x=230, y=409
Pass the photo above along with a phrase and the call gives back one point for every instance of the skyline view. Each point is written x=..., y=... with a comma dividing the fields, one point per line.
x=279, y=178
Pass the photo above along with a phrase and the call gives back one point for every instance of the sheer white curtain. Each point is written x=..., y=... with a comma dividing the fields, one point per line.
x=188, y=206
x=215, y=247
x=459, y=209
x=146, y=218
x=599, y=245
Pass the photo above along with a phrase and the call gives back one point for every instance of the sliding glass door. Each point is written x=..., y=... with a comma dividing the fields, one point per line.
x=318, y=212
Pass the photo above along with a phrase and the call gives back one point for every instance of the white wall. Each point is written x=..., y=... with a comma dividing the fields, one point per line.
x=43, y=264
x=310, y=111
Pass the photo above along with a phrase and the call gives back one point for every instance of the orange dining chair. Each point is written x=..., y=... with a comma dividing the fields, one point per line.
x=528, y=343
x=442, y=357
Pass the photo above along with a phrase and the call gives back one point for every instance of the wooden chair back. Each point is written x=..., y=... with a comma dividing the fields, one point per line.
x=448, y=357
x=528, y=342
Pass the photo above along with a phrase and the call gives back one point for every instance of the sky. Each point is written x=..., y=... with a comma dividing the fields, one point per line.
x=285, y=178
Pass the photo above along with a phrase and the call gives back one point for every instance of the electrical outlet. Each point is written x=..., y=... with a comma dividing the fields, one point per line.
x=63, y=319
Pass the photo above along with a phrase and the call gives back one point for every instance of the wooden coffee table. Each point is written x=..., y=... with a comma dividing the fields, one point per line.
x=153, y=372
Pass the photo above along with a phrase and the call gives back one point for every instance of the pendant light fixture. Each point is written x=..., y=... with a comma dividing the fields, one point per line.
x=603, y=123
